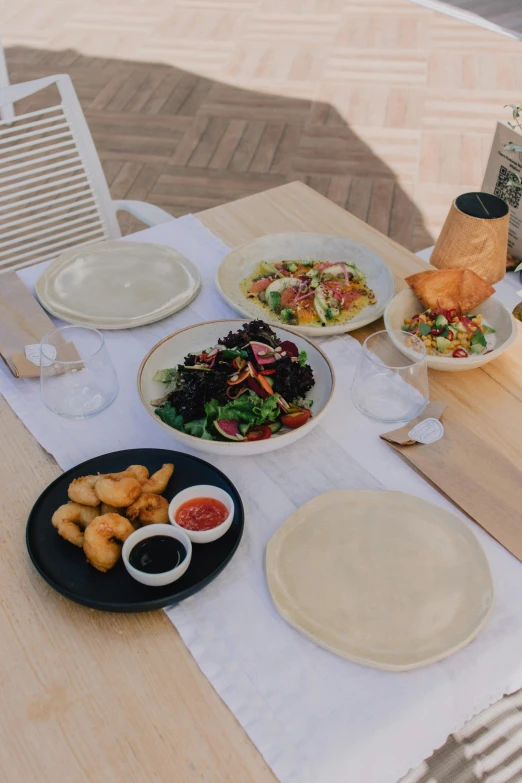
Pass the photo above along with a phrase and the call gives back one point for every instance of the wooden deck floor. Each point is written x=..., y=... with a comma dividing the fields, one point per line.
x=386, y=107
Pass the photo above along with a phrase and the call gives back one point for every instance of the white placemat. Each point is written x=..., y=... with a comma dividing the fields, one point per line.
x=314, y=717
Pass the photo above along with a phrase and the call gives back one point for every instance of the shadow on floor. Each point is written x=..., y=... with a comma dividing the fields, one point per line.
x=187, y=143
x=504, y=13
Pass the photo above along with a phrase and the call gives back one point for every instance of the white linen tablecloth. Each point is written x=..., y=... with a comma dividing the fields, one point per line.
x=314, y=717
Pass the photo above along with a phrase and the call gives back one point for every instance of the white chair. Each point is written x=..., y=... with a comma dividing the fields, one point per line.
x=6, y=112
x=53, y=192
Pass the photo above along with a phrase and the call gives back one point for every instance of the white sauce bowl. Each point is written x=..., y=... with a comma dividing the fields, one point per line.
x=202, y=491
x=164, y=577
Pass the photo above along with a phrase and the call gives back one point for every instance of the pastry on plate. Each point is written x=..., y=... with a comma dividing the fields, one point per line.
x=458, y=289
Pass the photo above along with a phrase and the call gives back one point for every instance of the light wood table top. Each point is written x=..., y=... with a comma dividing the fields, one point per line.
x=88, y=696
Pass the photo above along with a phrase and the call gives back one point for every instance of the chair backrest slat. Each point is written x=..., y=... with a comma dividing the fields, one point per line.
x=44, y=186
x=57, y=247
x=36, y=124
x=44, y=212
x=53, y=194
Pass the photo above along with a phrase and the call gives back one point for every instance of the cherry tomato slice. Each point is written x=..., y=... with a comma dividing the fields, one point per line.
x=295, y=420
x=266, y=372
x=260, y=432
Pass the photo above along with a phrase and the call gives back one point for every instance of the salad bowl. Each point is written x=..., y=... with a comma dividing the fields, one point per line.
x=406, y=305
x=171, y=352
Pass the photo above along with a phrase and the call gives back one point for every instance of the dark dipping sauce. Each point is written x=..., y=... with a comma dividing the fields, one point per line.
x=157, y=554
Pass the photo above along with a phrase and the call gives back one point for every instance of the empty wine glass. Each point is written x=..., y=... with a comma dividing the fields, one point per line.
x=77, y=376
x=391, y=380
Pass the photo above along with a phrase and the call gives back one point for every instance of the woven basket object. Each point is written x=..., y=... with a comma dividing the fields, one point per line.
x=475, y=236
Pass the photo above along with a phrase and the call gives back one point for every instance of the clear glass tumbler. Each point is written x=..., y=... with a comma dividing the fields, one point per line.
x=391, y=380
x=77, y=376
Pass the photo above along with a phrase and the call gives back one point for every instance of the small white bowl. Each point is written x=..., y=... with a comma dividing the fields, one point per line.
x=406, y=305
x=202, y=491
x=165, y=577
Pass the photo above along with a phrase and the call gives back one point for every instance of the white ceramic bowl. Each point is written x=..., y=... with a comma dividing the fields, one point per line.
x=242, y=262
x=406, y=304
x=202, y=491
x=165, y=577
x=172, y=350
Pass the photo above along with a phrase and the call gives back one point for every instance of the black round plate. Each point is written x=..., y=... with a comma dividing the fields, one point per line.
x=65, y=568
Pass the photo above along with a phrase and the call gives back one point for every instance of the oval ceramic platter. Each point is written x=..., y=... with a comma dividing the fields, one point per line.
x=242, y=262
x=381, y=578
x=117, y=284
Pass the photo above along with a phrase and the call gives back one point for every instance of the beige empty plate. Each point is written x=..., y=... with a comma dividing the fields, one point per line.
x=117, y=285
x=382, y=578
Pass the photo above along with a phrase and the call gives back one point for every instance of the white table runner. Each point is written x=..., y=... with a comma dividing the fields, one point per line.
x=314, y=717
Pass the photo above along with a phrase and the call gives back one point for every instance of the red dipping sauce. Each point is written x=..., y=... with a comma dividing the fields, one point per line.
x=201, y=514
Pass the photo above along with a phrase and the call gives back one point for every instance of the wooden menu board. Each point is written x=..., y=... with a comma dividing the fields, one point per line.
x=478, y=464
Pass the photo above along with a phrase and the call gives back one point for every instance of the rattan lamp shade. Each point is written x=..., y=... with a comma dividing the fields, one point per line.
x=475, y=236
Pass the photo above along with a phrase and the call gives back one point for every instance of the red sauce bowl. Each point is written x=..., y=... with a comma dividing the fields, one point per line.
x=202, y=492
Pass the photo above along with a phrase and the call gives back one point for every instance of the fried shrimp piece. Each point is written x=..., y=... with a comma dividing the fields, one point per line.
x=103, y=539
x=71, y=519
x=81, y=490
x=105, y=509
x=149, y=509
x=139, y=472
x=157, y=483
x=118, y=491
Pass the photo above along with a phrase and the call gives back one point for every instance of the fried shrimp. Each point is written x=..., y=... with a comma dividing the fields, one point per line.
x=149, y=509
x=103, y=539
x=139, y=472
x=117, y=490
x=71, y=519
x=105, y=509
x=81, y=490
x=157, y=483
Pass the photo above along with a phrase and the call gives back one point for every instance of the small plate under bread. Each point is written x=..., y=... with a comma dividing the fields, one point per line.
x=406, y=305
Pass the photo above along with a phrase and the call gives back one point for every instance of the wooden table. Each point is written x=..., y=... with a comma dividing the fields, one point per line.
x=88, y=696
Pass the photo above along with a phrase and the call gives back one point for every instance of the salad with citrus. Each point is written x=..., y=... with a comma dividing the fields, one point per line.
x=309, y=292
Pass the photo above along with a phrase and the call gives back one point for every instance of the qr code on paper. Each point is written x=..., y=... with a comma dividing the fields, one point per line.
x=509, y=187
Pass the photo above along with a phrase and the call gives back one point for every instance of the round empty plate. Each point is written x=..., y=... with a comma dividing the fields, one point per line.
x=382, y=578
x=117, y=285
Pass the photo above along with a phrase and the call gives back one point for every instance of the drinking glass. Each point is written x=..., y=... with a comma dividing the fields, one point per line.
x=391, y=379
x=77, y=376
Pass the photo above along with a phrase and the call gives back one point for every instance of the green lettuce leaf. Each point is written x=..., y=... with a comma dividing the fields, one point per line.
x=198, y=428
x=249, y=409
x=169, y=415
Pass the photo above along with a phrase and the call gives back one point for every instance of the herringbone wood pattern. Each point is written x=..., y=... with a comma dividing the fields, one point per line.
x=383, y=105
x=187, y=142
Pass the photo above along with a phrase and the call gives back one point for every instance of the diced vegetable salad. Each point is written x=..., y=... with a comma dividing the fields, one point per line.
x=448, y=333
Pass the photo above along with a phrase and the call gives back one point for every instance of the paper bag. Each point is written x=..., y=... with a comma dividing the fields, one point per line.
x=22, y=322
